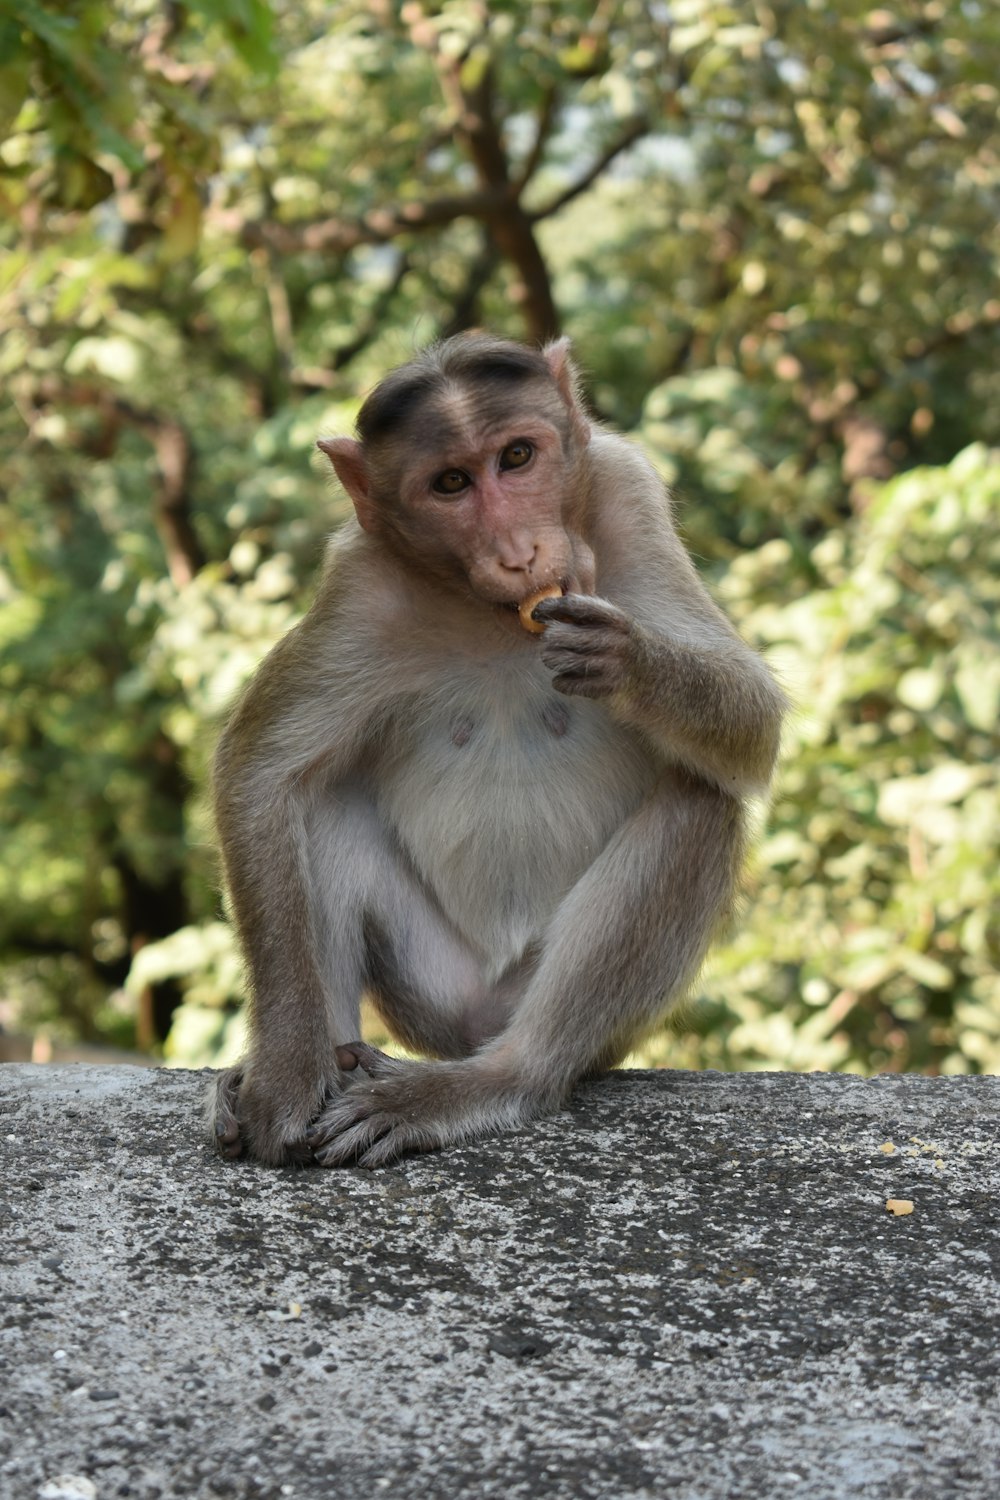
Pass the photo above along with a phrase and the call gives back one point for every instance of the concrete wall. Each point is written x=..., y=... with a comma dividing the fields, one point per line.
x=684, y=1285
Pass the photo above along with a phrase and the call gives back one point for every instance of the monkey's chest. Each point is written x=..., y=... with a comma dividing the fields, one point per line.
x=502, y=801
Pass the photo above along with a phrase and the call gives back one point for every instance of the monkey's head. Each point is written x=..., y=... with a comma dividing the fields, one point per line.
x=469, y=464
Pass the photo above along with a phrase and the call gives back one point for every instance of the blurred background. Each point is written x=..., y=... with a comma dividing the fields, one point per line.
x=772, y=232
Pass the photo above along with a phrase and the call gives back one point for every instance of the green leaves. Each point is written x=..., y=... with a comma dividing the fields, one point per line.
x=774, y=240
x=879, y=884
x=248, y=25
x=100, y=81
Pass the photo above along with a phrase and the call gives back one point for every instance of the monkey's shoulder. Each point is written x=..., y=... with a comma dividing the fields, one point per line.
x=360, y=575
x=378, y=606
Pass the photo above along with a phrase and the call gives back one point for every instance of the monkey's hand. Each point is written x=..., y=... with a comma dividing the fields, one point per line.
x=588, y=646
x=403, y=1106
x=248, y=1119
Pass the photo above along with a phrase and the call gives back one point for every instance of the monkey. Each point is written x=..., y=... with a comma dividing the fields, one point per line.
x=518, y=845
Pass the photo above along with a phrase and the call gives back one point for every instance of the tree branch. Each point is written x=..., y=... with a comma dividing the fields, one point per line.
x=320, y=378
x=377, y=227
x=637, y=127
x=174, y=458
x=465, y=307
x=467, y=84
x=543, y=129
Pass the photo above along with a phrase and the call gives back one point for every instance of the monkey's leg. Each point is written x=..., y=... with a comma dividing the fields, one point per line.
x=306, y=998
x=622, y=946
x=373, y=927
x=428, y=985
x=655, y=898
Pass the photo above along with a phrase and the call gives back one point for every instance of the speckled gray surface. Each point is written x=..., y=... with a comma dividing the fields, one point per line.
x=683, y=1285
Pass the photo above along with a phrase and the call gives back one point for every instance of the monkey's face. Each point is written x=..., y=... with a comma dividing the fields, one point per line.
x=483, y=491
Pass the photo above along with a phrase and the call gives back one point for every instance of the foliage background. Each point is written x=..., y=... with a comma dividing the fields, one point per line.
x=772, y=230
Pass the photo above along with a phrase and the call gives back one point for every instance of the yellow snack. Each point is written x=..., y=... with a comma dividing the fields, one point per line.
x=524, y=609
x=899, y=1206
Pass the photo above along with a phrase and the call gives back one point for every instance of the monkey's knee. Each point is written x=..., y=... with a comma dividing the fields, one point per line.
x=488, y=1010
x=478, y=1024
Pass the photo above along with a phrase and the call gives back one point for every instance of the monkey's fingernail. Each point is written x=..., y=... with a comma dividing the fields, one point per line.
x=220, y=1129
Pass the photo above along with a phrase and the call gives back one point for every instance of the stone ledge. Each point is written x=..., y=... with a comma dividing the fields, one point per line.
x=683, y=1285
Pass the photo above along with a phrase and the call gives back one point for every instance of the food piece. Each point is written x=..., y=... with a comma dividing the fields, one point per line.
x=526, y=606
x=899, y=1206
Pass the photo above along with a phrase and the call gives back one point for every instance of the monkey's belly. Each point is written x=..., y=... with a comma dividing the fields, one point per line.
x=502, y=812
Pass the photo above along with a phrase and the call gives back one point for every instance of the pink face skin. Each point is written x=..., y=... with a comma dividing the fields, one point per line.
x=483, y=501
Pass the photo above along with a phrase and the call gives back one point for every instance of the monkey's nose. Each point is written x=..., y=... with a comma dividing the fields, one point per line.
x=519, y=557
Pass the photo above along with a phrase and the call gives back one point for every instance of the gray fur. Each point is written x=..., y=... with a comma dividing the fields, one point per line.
x=520, y=846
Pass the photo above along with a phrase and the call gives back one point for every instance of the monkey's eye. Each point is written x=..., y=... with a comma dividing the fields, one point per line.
x=516, y=455
x=451, y=482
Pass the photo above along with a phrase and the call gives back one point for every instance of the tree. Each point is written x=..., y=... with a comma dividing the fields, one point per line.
x=772, y=233
x=876, y=942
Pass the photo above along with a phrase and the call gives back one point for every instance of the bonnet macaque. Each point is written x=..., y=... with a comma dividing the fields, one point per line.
x=518, y=842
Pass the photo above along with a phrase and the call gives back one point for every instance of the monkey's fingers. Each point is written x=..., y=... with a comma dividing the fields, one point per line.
x=371, y=1124
x=245, y=1120
x=583, y=662
x=226, y=1126
x=394, y=1144
x=374, y=1142
x=349, y=1125
x=576, y=645
x=228, y=1142
x=583, y=685
x=353, y=1146
x=582, y=609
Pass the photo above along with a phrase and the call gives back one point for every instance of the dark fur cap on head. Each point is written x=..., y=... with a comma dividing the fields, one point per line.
x=478, y=359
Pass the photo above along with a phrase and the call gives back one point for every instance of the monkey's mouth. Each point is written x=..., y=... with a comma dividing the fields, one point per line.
x=525, y=610
x=543, y=591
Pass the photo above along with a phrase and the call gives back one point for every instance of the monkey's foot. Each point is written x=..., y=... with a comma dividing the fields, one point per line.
x=403, y=1106
x=245, y=1121
x=221, y=1110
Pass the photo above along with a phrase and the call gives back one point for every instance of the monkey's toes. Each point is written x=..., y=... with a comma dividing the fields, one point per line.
x=375, y=1141
x=346, y=1127
x=222, y=1106
x=363, y=1125
x=370, y=1060
x=228, y=1141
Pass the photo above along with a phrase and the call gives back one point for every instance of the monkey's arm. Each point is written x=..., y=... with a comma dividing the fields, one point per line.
x=708, y=701
x=301, y=724
x=655, y=646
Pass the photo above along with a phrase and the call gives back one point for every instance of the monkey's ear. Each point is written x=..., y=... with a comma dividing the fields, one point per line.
x=348, y=459
x=565, y=376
